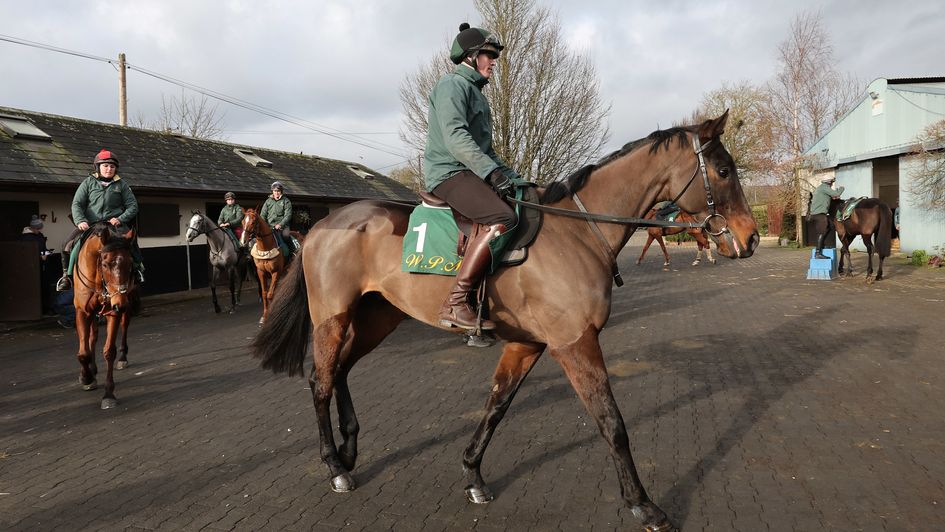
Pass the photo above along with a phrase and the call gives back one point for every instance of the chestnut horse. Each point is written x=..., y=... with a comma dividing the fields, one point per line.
x=104, y=286
x=872, y=220
x=348, y=292
x=657, y=233
x=269, y=260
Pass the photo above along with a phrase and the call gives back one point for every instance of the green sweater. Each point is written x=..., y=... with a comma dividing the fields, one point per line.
x=95, y=202
x=277, y=211
x=820, y=203
x=231, y=214
x=459, y=129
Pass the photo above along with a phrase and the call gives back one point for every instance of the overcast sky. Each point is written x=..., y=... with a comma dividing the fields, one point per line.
x=339, y=64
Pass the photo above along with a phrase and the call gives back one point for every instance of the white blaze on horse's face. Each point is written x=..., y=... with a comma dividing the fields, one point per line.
x=193, y=229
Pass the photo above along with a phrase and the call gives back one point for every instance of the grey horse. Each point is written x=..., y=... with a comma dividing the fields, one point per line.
x=225, y=256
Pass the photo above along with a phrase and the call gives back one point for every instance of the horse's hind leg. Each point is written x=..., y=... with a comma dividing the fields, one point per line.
x=517, y=360
x=659, y=240
x=374, y=319
x=649, y=240
x=583, y=363
x=234, y=294
x=867, y=241
x=327, y=342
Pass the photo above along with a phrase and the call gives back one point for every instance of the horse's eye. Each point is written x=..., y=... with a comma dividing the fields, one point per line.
x=723, y=171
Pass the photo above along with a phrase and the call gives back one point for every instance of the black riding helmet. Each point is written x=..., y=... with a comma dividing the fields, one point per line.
x=472, y=41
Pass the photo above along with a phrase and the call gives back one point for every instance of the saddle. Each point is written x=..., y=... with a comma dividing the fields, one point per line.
x=514, y=248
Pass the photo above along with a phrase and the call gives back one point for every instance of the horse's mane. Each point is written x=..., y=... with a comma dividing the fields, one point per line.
x=114, y=240
x=657, y=139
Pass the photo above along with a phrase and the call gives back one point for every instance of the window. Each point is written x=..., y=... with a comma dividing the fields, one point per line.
x=252, y=158
x=21, y=128
x=360, y=173
x=158, y=219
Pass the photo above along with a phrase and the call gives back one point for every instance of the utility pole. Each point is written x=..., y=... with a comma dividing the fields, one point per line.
x=122, y=92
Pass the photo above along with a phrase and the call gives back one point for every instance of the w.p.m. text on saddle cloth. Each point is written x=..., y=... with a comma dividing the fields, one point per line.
x=430, y=242
x=846, y=210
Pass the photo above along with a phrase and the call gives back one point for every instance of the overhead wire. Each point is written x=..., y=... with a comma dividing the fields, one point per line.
x=272, y=113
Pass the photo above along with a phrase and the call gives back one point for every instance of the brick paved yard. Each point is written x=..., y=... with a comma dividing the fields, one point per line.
x=756, y=400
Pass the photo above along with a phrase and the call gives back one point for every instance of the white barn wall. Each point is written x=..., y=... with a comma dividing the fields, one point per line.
x=856, y=180
x=921, y=228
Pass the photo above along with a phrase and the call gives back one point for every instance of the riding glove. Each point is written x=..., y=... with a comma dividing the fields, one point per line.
x=500, y=182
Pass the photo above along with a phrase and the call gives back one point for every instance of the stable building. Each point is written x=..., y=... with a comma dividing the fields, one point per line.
x=869, y=151
x=44, y=157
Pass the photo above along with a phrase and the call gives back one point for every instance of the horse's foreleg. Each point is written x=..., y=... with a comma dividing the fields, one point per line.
x=122, y=361
x=83, y=329
x=108, y=352
x=583, y=363
x=214, y=277
x=517, y=360
x=327, y=341
x=231, y=274
x=262, y=293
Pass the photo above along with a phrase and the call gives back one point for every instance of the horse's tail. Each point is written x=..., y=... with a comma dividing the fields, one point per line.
x=282, y=341
x=884, y=235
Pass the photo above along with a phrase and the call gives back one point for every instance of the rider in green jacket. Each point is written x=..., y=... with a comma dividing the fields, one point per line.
x=277, y=211
x=462, y=168
x=102, y=197
x=231, y=216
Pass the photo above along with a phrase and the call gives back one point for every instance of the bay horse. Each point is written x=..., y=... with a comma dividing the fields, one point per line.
x=104, y=286
x=225, y=257
x=872, y=220
x=348, y=292
x=657, y=234
x=269, y=260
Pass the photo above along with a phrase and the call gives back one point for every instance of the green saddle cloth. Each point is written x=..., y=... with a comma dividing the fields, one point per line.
x=846, y=210
x=667, y=210
x=432, y=235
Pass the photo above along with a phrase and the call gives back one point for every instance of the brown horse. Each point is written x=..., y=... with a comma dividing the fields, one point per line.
x=269, y=260
x=104, y=286
x=349, y=293
x=657, y=234
x=872, y=220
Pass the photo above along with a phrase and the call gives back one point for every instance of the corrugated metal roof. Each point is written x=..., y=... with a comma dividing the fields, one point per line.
x=156, y=161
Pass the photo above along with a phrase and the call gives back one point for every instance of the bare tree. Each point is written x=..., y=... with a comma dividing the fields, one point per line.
x=751, y=141
x=548, y=118
x=407, y=175
x=187, y=115
x=928, y=176
x=805, y=98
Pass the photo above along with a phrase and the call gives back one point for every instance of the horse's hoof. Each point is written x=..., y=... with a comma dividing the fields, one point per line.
x=479, y=495
x=109, y=402
x=121, y=364
x=90, y=386
x=695, y=263
x=343, y=483
x=662, y=526
x=261, y=320
x=713, y=261
x=232, y=310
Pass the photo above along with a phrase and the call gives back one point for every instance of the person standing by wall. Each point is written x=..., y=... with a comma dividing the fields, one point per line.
x=34, y=233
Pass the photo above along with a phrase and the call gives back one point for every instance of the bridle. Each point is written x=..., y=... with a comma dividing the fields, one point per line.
x=203, y=231
x=592, y=218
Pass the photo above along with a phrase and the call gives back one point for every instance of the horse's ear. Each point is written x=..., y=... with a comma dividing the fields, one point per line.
x=130, y=235
x=714, y=127
x=195, y=211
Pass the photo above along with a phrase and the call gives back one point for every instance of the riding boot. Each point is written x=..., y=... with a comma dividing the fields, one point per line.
x=65, y=282
x=456, y=310
x=820, y=247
